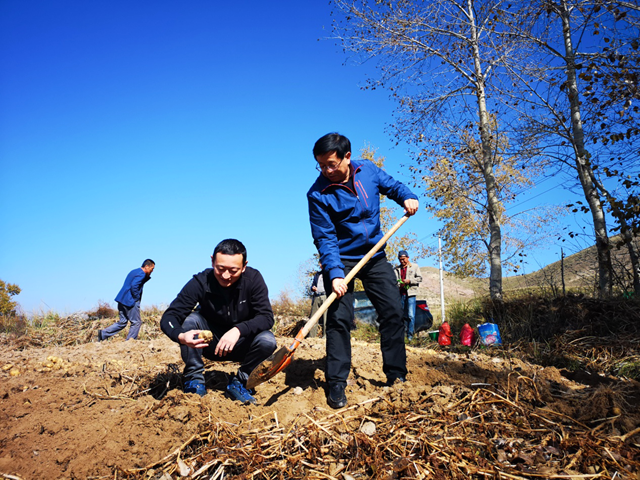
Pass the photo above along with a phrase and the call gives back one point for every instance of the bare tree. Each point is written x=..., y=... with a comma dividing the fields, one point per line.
x=626, y=211
x=612, y=80
x=438, y=58
x=563, y=84
x=407, y=241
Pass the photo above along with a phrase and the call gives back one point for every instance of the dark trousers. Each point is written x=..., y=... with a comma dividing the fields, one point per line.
x=381, y=287
x=249, y=351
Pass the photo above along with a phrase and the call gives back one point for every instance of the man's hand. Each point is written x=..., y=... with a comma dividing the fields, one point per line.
x=187, y=338
x=227, y=342
x=411, y=206
x=339, y=287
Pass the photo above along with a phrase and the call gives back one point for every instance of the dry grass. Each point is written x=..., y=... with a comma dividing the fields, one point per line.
x=52, y=329
x=13, y=324
x=287, y=305
x=103, y=310
x=447, y=433
x=497, y=431
x=573, y=332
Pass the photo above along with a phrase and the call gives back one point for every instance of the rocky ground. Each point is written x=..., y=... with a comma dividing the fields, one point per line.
x=115, y=409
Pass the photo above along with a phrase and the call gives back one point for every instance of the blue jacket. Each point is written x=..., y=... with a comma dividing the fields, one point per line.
x=131, y=291
x=346, y=224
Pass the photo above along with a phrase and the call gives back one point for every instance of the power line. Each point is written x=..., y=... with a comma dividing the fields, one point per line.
x=535, y=196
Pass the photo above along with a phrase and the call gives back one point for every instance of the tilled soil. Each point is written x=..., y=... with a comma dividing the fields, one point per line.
x=97, y=409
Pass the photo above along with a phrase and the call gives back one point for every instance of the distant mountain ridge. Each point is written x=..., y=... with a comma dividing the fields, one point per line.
x=580, y=272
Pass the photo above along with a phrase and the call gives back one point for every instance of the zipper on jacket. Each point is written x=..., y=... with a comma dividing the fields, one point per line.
x=365, y=196
x=359, y=197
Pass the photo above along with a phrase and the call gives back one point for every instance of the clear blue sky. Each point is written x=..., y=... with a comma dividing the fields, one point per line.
x=155, y=129
x=158, y=128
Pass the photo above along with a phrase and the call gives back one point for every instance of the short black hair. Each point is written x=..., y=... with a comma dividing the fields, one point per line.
x=148, y=262
x=332, y=142
x=231, y=246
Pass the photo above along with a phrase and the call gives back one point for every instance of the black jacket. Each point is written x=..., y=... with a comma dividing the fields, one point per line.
x=245, y=304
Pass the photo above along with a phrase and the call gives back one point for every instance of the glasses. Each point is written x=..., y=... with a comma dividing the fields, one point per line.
x=328, y=168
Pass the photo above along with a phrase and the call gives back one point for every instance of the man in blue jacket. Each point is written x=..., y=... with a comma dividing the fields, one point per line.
x=344, y=211
x=234, y=305
x=128, y=299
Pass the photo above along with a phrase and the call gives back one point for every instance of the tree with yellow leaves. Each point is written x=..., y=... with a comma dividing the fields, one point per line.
x=8, y=307
x=453, y=177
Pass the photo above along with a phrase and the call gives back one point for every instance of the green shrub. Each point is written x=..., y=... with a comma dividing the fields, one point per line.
x=459, y=313
x=630, y=369
x=44, y=320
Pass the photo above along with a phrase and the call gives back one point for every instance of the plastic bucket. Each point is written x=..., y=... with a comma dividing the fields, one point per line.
x=433, y=334
x=489, y=334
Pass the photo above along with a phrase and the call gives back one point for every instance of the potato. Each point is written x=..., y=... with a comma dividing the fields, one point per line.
x=206, y=335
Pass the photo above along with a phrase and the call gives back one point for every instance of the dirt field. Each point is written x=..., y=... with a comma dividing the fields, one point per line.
x=103, y=410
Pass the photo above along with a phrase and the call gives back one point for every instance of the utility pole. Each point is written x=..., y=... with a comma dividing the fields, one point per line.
x=562, y=271
x=441, y=278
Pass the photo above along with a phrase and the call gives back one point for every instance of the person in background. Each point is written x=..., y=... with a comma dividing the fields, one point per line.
x=318, y=297
x=409, y=277
x=128, y=299
x=344, y=213
x=234, y=306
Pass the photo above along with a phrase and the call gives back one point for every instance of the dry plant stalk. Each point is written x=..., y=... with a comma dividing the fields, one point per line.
x=484, y=434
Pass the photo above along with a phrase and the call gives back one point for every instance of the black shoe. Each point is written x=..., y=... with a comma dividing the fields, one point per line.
x=392, y=381
x=100, y=336
x=336, y=398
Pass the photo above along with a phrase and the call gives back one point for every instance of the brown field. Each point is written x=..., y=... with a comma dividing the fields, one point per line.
x=115, y=409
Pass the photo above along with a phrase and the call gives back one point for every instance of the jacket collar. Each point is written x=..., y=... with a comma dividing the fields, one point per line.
x=323, y=182
x=212, y=286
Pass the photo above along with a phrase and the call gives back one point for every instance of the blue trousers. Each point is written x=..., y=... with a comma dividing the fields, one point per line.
x=381, y=287
x=127, y=314
x=409, y=311
x=249, y=351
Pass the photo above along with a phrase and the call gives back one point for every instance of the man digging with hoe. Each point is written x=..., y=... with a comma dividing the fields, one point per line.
x=344, y=212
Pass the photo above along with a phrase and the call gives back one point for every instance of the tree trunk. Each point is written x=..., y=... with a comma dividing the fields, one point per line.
x=585, y=174
x=493, y=201
x=626, y=232
x=633, y=255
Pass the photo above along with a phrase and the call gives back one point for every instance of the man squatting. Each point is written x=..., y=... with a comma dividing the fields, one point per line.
x=234, y=305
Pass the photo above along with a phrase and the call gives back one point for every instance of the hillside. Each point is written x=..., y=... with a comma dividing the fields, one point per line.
x=455, y=288
x=579, y=274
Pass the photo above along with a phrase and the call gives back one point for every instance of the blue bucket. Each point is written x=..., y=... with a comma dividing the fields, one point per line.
x=489, y=334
